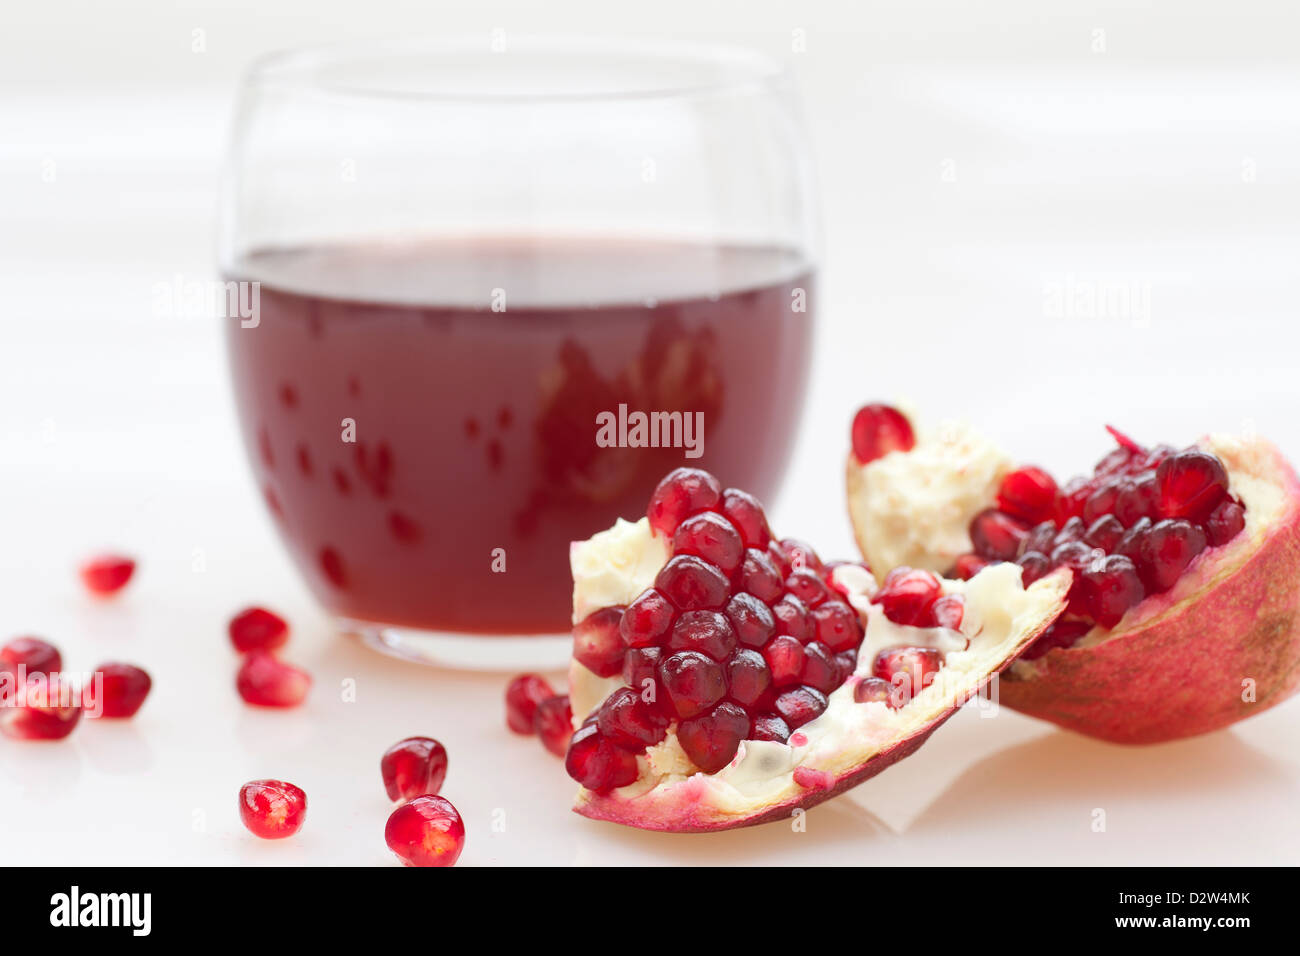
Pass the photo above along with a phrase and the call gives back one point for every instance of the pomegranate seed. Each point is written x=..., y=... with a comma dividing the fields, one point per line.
x=641, y=665
x=553, y=723
x=107, y=574
x=1109, y=588
x=792, y=618
x=1041, y=537
x=873, y=690
x=909, y=670
x=413, y=767
x=1117, y=462
x=691, y=583
x=1125, y=442
x=647, y=620
x=1072, y=530
x=800, y=556
x=257, y=629
x=711, y=739
x=747, y=677
x=1074, y=555
x=1225, y=522
x=40, y=709
x=682, y=492
x=31, y=653
x=1028, y=494
x=780, y=560
x=948, y=611
x=1191, y=483
x=820, y=669
x=272, y=809
x=597, y=762
x=708, y=632
x=1033, y=565
x=711, y=537
x=1102, y=501
x=908, y=596
x=628, y=721
x=751, y=619
x=124, y=688
x=1138, y=498
x=837, y=626
x=598, y=644
x=784, y=656
x=747, y=515
x=759, y=576
x=1060, y=634
x=996, y=535
x=807, y=586
x=523, y=694
x=878, y=430
x=848, y=661
x=692, y=682
x=1131, y=544
x=268, y=682
x=426, y=832
x=968, y=565
x=1169, y=547
x=1104, y=533
x=769, y=727
x=799, y=705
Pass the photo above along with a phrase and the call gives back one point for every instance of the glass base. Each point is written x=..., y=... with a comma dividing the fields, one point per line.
x=477, y=652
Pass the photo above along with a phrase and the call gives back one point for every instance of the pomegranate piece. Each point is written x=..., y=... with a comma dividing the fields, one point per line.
x=1110, y=587
x=997, y=536
x=117, y=690
x=759, y=576
x=107, y=574
x=691, y=583
x=872, y=690
x=641, y=665
x=751, y=619
x=1190, y=484
x=712, y=537
x=1225, y=522
x=799, y=705
x=24, y=656
x=820, y=669
x=1028, y=494
x=268, y=682
x=878, y=430
x=257, y=629
x=908, y=670
x=628, y=721
x=272, y=809
x=836, y=625
x=692, y=682
x=1166, y=551
x=708, y=632
x=908, y=596
x=598, y=643
x=523, y=694
x=597, y=762
x=792, y=618
x=426, y=832
x=748, y=677
x=413, y=767
x=784, y=656
x=647, y=620
x=711, y=739
x=745, y=512
x=948, y=611
x=769, y=727
x=39, y=709
x=682, y=493
x=553, y=723
x=808, y=586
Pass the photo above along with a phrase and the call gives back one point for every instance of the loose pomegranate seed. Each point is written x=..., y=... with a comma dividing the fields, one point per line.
x=996, y=535
x=711, y=537
x=908, y=670
x=647, y=620
x=553, y=723
x=682, y=492
x=691, y=583
x=948, y=611
x=759, y=576
x=1060, y=634
x=257, y=629
x=1104, y=533
x=30, y=654
x=751, y=619
x=820, y=669
x=748, y=678
x=799, y=705
x=1138, y=498
x=1102, y=501
x=523, y=694
x=598, y=644
x=272, y=809
x=807, y=586
x=837, y=626
x=873, y=690
x=627, y=720
x=268, y=682
x=1225, y=522
x=784, y=656
x=413, y=767
x=107, y=574
x=1028, y=494
x=908, y=596
x=968, y=565
x=711, y=739
x=39, y=709
x=878, y=430
x=799, y=556
x=597, y=762
x=1190, y=483
x=792, y=618
x=1169, y=547
x=641, y=665
x=769, y=727
x=747, y=515
x=692, y=682
x=117, y=690
x=1109, y=588
x=708, y=632
x=426, y=832
x=1033, y=565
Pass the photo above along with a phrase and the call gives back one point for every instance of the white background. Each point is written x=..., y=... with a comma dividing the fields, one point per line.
x=970, y=156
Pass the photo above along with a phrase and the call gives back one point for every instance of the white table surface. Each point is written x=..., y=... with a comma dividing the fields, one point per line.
x=116, y=430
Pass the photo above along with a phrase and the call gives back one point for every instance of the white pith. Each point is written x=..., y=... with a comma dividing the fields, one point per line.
x=1000, y=617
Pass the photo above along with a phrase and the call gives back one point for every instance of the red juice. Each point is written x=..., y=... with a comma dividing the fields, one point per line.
x=422, y=417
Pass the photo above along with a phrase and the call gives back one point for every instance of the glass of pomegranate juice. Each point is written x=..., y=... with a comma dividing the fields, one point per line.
x=497, y=289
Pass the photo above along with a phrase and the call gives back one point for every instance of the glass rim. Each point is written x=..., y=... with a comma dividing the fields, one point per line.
x=722, y=68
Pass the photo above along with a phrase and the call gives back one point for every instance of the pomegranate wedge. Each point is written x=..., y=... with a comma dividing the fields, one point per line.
x=740, y=697
x=1184, y=614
